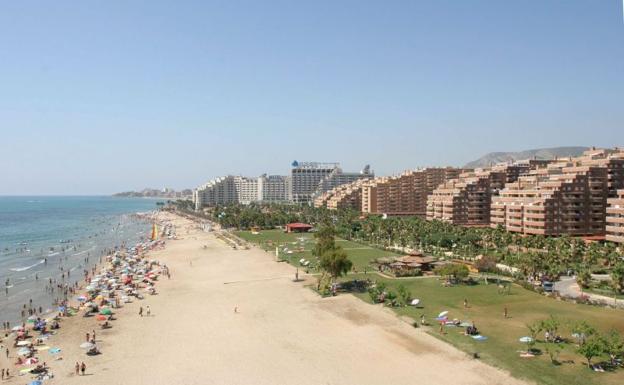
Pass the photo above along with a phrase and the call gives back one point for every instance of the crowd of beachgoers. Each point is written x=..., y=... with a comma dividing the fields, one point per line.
x=122, y=276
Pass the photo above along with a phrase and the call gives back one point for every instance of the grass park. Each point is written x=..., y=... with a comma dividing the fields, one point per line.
x=486, y=304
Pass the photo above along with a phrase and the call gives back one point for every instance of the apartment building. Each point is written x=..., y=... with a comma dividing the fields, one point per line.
x=615, y=218
x=347, y=196
x=563, y=200
x=568, y=197
x=404, y=194
x=466, y=199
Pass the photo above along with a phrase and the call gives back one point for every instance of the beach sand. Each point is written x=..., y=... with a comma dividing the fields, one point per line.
x=283, y=333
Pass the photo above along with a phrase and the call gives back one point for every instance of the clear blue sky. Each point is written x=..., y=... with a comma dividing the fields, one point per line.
x=103, y=96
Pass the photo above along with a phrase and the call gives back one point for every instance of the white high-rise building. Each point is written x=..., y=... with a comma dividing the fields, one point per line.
x=247, y=189
x=221, y=190
x=239, y=189
x=310, y=179
x=273, y=188
x=338, y=178
x=305, y=179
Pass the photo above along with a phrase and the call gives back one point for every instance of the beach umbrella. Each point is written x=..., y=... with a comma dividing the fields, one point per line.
x=100, y=317
x=87, y=345
x=526, y=339
x=415, y=302
x=23, y=343
x=17, y=328
x=106, y=311
x=36, y=382
x=444, y=313
x=54, y=351
x=31, y=361
x=82, y=298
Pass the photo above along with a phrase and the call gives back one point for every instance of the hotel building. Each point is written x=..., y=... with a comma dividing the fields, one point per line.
x=273, y=188
x=311, y=179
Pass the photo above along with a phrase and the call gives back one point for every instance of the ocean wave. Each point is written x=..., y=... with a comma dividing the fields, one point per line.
x=83, y=252
x=53, y=254
x=18, y=269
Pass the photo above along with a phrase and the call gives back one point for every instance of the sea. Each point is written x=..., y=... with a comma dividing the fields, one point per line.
x=43, y=238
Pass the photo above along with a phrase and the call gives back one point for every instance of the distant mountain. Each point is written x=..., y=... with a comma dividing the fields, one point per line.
x=542, y=153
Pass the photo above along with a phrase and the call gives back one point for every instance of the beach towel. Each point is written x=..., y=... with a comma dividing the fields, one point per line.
x=479, y=337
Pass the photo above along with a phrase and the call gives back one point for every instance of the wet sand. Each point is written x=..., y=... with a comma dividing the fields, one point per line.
x=283, y=332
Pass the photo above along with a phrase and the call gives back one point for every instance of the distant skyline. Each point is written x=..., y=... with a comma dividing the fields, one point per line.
x=103, y=97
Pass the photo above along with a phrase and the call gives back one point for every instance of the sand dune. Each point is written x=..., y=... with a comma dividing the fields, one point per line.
x=283, y=333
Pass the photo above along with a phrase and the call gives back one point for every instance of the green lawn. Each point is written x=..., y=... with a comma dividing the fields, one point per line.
x=359, y=254
x=486, y=307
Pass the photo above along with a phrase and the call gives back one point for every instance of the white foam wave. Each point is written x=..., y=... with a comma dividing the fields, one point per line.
x=18, y=269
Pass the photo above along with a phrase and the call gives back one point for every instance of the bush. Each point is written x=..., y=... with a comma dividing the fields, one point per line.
x=454, y=271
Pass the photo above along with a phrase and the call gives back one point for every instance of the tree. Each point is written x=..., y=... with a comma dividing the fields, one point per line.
x=404, y=295
x=582, y=330
x=593, y=347
x=553, y=351
x=613, y=345
x=486, y=264
x=534, y=329
x=617, y=279
x=583, y=278
x=335, y=262
x=325, y=240
x=550, y=326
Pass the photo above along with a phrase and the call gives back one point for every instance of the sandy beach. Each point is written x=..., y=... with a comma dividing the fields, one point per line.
x=282, y=333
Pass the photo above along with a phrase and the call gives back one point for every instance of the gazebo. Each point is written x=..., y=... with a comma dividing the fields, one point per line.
x=298, y=228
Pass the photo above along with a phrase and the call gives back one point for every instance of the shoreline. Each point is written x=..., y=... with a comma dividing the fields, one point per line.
x=236, y=316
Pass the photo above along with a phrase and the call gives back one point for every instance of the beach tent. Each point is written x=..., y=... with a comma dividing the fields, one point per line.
x=87, y=345
x=415, y=302
x=444, y=313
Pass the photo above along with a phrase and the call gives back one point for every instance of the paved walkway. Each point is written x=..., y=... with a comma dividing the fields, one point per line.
x=568, y=287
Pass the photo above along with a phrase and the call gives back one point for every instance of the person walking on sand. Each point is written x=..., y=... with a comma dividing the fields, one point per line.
x=83, y=368
x=88, y=339
x=465, y=302
x=505, y=312
x=141, y=311
x=149, y=311
x=77, y=367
